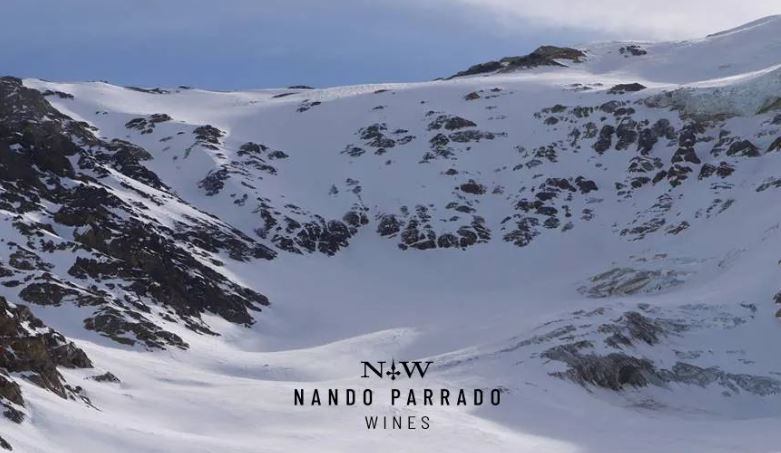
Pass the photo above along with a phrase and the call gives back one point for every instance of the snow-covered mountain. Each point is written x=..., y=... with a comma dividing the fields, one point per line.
x=590, y=230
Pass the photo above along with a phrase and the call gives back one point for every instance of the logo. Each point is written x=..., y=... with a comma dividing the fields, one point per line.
x=387, y=374
x=409, y=369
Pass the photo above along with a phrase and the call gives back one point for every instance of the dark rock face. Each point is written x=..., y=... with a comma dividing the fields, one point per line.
x=618, y=363
x=614, y=371
x=317, y=235
x=388, y=225
x=617, y=371
x=622, y=88
x=161, y=269
x=585, y=185
x=687, y=373
x=605, y=140
x=777, y=301
x=119, y=241
x=149, y=90
x=679, y=170
x=106, y=377
x=629, y=131
x=547, y=207
x=542, y=56
x=307, y=105
x=146, y=125
x=626, y=133
x=686, y=155
x=632, y=327
x=632, y=50
x=414, y=230
x=450, y=123
x=46, y=293
x=743, y=148
x=373, y=136
x=129, y=328
x=380, y=137
x=524, y=231
x=470, y=136
x=775, y=146
x=770, y=183
x=213, y=183
x=472, y=187
x=127, y=158
x=300, y=231
x=59, y=94
x=208, y=136
x=723, y=170
x=30, y=348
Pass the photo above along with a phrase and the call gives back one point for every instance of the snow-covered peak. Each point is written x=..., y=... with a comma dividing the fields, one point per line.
x=764, y=27
x=748, y=48
x=742, y=50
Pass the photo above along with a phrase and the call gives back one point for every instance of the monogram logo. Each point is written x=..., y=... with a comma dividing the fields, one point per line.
x=408, y=369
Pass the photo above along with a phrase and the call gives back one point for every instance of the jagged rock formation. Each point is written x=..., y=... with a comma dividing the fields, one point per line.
x=91, y=200
x=542, y=56
x=33, y=351
x=608, y=349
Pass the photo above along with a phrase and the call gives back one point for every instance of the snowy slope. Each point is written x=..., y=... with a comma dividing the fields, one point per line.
x=600, y=240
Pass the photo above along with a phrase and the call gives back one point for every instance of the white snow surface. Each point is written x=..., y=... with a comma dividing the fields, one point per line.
x=373, y=301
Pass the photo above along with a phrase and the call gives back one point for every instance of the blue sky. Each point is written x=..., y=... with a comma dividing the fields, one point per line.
x=233, y=44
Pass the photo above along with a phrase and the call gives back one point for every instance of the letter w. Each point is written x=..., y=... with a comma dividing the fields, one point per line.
x=416, y=366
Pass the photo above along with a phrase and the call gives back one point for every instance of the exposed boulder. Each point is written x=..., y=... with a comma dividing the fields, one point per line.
x=622, y=88
x=743, y=148
x=106, y=377
x=472, y=187
x=146, y=125
x=450, y=122
x=632, y=50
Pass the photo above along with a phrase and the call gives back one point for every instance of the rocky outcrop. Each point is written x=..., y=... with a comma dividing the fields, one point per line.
x=208, y=136
x=146, y=125
x=30, y=350
x=67, y=177
x=632, y=50
x=614, y=371
x=743, y=148
x=627, y=281
x=622, y=88
x=542, y=56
